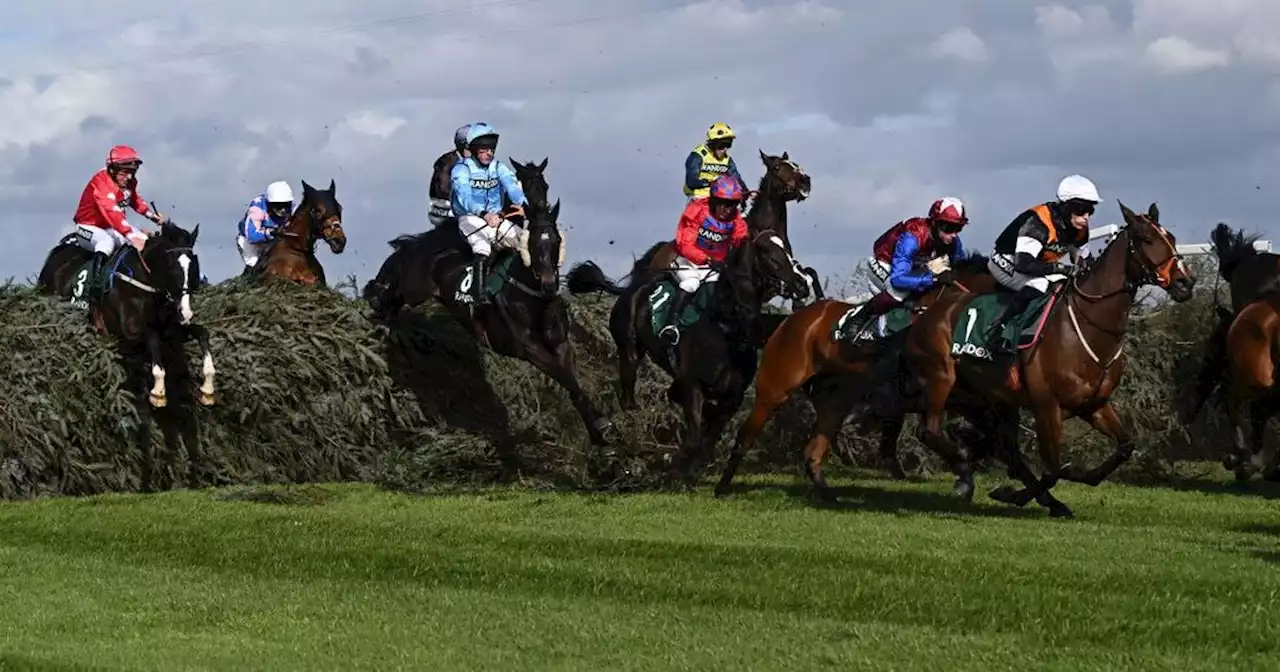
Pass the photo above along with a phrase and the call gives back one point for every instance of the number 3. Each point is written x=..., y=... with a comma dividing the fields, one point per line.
x=81, y=277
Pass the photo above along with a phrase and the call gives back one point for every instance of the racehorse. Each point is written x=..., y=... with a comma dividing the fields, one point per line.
x=1070, y=370
x=1252, y=350
x=801, y=352
x=783, y=181
x=1249, y=274
x=526, y=319
x=291, y=255
x=717, y=354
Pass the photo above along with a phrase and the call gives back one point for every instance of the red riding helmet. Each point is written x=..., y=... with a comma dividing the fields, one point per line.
x=122, y=156
x=948, y=213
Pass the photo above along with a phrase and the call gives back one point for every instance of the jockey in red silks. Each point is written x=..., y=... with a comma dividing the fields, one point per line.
x=99, y=217
x=912, y=257
x=708, y=229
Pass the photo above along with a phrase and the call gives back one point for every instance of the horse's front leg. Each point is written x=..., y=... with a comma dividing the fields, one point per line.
x=206, y=365
x=1107, y=421
x=558, y=364
x=158, y=397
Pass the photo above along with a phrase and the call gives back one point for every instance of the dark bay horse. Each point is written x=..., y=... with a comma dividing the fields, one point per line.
x=801, y=353
x=527, y=318
x=1249, y=274
x=1252, y=350
x=1071, y=371
x=148, y=305
x=716, y=355
x=292, y=254
x=783, y=181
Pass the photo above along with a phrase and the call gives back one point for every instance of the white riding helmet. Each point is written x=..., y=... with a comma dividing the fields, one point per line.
x=279, y=192
x=1077, y=186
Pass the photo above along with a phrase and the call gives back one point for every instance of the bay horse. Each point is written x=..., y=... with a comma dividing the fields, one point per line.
x=1249, y=274
x=1071, y=370
x=717, y=354
x=801, y=353
x=527, y=318
x=783, y=181
x=148, y=303
x=291, y=255
x=1252, y=350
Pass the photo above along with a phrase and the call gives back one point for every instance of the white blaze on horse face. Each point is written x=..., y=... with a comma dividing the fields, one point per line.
x=795, y=265
x=184, y=305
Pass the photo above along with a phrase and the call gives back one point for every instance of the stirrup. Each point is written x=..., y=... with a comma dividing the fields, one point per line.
x=670, y=328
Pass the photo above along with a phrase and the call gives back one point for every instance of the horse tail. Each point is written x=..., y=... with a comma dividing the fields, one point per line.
x=587, y=277
x=383, y=291
x=1232, y=248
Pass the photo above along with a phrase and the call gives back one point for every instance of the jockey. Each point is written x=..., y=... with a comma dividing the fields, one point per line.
x=708, y=161
x=267, y=212
x=479, y=182
x=1027, y=253
x=99, y=217
x=440, y=210
x=708, y=228
x=914, y=256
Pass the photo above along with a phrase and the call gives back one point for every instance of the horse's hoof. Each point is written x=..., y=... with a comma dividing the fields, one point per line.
x=1060, y=510
x=206, y=399
x=1004, y=494
x=159, y=401
x=963, y=490
x=723, y=490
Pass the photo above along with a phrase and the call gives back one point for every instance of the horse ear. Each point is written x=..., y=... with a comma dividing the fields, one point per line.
x=543, y=166
x=555, y=211
x=514, y=164
x=1153, y=213
x=306, y=188
x=786, y=156
x=763, y=157
x=195, y=233
x=1129, y=216
x=333, y=188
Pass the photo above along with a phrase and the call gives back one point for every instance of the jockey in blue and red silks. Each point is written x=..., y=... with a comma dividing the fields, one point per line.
x=912, y=257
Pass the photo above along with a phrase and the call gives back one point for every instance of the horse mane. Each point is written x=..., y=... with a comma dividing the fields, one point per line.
x=409, y=240
x=641, y=265
x=973, y=263
x=1232, y=248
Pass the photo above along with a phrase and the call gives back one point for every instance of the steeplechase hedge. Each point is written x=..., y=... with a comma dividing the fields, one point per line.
x=310, y=389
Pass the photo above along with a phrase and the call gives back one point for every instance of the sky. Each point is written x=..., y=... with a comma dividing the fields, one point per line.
x=887, y=105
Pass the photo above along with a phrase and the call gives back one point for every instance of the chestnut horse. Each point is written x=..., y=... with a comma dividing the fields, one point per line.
x=1249, y=273
x=802, y=353
x=1071, y=371
x=783, y=181
x=292, y=254
x=1252, y=350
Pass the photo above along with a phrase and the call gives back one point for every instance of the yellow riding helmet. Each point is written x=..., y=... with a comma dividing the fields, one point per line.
x=719, y=132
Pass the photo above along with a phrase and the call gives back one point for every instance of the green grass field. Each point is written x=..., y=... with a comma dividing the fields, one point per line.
x=898, y=578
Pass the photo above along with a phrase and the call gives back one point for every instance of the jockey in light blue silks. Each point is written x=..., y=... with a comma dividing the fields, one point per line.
x=479, y=183
x=267, y=212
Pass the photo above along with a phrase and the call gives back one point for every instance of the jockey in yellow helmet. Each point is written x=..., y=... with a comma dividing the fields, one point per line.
x=708, y=161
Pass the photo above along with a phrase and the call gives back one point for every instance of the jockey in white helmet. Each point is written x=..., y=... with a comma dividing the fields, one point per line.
x=267, y=212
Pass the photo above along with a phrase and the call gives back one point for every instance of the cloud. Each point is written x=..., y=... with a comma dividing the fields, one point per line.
x=1175, y=55
x=961, y=44
x=887, y=110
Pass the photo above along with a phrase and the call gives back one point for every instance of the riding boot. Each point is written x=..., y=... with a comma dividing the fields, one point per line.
x=93, y=284
x=878, y=305
x=1019, y=303
x=670, y=332
x=480, y=272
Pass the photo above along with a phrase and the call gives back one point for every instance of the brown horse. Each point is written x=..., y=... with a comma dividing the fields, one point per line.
x=802, y=353
x=1252, y=349
x=1071, y=370
x=783, y=181
x=292, y=255
x=1249, y=273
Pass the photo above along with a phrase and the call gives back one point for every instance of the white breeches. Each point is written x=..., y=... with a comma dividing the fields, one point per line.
x=1001, y=266
x=249, y=252
x=482, y=237
x=690, y=276
x=439, y=211
x=880, y=279
x=94, y=239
